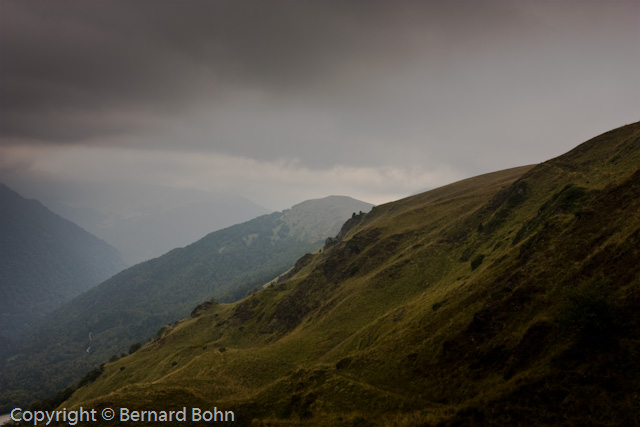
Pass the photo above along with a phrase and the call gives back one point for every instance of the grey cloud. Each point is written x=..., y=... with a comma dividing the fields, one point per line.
x=167, y=56
x=325, y=82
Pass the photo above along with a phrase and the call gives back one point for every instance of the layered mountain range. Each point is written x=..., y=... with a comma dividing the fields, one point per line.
x=134, y=305
x=510, y=298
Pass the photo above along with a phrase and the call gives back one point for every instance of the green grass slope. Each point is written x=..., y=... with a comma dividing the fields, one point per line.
x=133, y=305
x=506, y=299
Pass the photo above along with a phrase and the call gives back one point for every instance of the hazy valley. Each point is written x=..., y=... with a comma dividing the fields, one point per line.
x=45, y=261
x=135, y=304
x=145, y=221
x=169, y=245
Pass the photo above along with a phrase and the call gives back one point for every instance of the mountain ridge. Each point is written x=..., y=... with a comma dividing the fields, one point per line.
x=512, y=297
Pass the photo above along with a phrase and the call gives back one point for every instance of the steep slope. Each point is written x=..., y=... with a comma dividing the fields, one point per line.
x=507, y=299
x=134, y=304
x=45, y=261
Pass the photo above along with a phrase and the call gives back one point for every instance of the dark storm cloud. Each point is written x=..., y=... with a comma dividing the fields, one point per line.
x=325, y=82
x=63, y=59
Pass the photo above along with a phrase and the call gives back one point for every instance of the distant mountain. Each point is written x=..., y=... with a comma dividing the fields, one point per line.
x=45, y=261
x=133, y=305
x=511, y=298
x=146, y=222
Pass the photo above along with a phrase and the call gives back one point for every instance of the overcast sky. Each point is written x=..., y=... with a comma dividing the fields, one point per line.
x=282, y=101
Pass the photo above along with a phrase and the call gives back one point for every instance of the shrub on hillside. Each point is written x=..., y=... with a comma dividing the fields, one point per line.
x=477, y=261
x=134, y=347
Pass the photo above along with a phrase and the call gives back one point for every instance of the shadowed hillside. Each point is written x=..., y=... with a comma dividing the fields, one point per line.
x=45, y=261
x=507, y=299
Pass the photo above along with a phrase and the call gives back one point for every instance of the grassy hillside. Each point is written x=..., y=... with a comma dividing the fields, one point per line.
x=506, y=299
x=133, y=305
